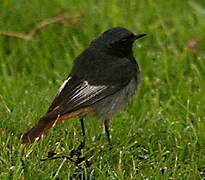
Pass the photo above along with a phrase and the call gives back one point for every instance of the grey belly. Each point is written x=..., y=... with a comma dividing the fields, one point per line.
x=112, y=104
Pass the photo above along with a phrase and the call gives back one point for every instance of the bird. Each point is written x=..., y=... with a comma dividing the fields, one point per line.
x=103, y=79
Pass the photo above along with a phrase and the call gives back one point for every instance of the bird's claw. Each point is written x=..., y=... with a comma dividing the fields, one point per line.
x=74, y=152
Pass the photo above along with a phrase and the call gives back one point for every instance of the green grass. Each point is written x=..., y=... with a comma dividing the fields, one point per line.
x=160, y=135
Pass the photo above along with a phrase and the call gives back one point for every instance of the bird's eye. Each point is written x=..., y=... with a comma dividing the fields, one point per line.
x=124, y=40
x=127, y=38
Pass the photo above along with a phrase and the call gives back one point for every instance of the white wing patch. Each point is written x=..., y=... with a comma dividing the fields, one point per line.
x=63, y=85
x=85, y=92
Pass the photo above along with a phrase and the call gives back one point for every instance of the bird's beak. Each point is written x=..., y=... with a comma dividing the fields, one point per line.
x=137, y=36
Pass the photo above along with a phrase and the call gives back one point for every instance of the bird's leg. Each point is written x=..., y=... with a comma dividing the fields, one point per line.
x=107, y=125
x=83, y=129
x=76, y=152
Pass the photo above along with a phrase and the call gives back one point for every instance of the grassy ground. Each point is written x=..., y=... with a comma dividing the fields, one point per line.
x=160, y=135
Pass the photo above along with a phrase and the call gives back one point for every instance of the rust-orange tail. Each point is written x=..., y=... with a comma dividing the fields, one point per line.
x=37, y=131
x=48, y=121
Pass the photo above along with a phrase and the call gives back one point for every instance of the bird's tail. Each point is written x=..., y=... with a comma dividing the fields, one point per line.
x=48, y=121
x=43, y=125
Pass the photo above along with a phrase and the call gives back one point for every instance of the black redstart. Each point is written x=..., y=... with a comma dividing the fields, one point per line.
x=102, y=81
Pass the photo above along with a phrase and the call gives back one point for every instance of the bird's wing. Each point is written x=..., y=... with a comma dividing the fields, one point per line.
x=75, y=94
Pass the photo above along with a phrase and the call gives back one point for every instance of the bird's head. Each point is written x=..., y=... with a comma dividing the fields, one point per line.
x=117, y=40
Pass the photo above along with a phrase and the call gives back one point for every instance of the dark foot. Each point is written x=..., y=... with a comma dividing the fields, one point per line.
x=75, y=152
